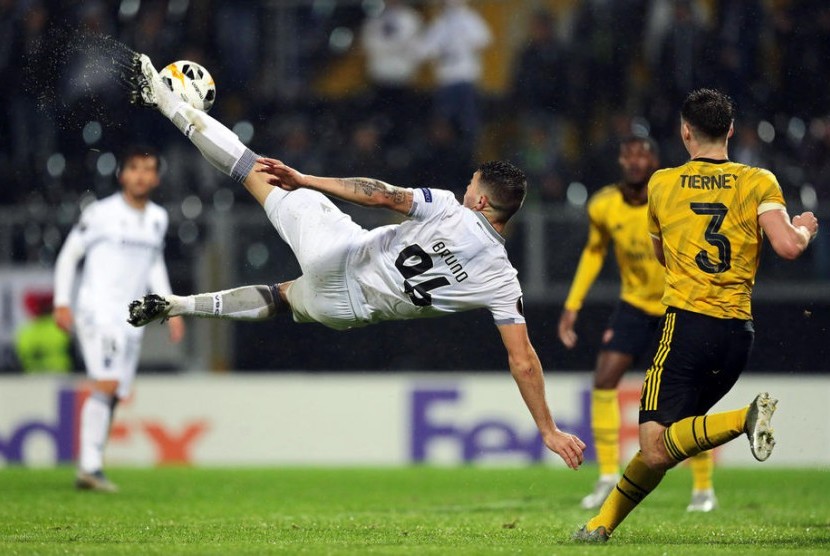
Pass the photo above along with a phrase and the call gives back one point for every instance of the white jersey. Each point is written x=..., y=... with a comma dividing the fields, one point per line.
x=124, y=255
x=444, y=259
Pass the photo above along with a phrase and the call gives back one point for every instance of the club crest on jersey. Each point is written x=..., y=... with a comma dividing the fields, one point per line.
x=427, y=194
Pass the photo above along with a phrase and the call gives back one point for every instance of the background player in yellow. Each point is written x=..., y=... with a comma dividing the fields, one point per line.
x=708, y=218
x=618, y=213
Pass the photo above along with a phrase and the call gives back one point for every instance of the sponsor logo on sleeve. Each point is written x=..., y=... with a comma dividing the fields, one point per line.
x=427, y=194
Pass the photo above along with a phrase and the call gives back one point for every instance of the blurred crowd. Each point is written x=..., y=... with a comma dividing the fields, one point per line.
x=580, y=78
x=573, y=79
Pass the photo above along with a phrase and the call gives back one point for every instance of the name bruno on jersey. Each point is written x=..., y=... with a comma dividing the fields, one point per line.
x=450, y=260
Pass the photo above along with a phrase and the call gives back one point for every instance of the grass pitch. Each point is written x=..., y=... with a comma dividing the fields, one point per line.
x=415, y=510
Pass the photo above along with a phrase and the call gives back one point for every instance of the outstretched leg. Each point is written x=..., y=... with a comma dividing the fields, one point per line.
x=219, y=145
x=247, y=303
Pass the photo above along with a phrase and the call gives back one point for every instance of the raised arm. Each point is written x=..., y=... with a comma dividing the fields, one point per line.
x=527, y=372
x=789, y=240
x=362, y=191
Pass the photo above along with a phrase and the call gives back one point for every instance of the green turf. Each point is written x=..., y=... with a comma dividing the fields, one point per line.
x=400, y=511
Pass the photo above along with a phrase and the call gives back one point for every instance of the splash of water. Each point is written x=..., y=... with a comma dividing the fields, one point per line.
x=77, y=75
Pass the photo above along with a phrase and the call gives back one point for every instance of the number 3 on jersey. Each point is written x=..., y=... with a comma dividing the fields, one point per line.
x=718, y=213
x=413, y=261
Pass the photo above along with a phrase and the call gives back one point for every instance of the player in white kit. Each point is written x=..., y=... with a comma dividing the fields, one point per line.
x=447, y=257
x=121, y=239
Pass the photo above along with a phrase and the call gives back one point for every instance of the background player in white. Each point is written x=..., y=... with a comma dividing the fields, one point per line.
x=446, y=258
x=121, y=239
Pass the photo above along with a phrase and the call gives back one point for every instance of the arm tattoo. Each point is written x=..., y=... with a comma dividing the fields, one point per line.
x=369, y=187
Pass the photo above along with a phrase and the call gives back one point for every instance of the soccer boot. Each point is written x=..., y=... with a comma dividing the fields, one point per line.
x=758, y=428
x=146, y=310
x=602, y=489
x=96, y=481
x=702, y=501
x=145, y=82
x=598, y=535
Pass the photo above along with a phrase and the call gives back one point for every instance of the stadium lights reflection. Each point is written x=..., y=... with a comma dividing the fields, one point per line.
x=92, y=132
x=796, y=129
x=244, y=130
x=177, y=8
x=341, y=39
x=191, y=207
x=257, y=254
x=106, y=164
x=577, y=194
x=809, y=198
x=55, y=165
x=188, y=232
x=766, y=131
x=128, y=9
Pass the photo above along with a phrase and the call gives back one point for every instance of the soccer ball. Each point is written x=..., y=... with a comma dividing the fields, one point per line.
x=191, y=82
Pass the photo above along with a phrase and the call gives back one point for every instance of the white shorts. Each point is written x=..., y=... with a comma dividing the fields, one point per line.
x=321, y=237
x=110, y=353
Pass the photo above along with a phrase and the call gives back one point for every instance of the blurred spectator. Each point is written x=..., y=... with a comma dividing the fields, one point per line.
x=32, y=130
x=153, y=34
x=738, y=37
x=816, y=161
x=542, y=163
x=747, y=147
x=601, y=56
x=802, y=31
x=40, y=345
x=363, y=156
x=296, y=147
x=237, y=43
x=454, y=40
x=8, y=85
x=660, y=16
x=539, y=79
x=439, y=162
x=389, y=40
x=682, y=65
x=601, y=161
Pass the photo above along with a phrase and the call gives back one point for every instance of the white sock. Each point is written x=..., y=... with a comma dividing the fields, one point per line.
x=95, y=426
x=244, y=303
x=218, y=144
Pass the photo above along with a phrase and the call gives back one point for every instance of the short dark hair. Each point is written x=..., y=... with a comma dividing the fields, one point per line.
x=506, y=186
x=644, y=140
x=138, y=151
x=709, y=111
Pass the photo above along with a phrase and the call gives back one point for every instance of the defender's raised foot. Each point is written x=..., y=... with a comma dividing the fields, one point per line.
x=759, y=427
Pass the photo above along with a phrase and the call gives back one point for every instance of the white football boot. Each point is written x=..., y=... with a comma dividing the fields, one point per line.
x=758, y=427
x=703, y=501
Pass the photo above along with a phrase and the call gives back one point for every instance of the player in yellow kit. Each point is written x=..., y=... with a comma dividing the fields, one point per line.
x=707, y=218
x=618, y=213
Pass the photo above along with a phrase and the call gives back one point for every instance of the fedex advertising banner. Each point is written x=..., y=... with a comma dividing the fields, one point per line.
x=443, y=419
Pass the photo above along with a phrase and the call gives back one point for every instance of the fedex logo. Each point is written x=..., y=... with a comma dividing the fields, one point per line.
x=482, y=437
x=170, y=445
